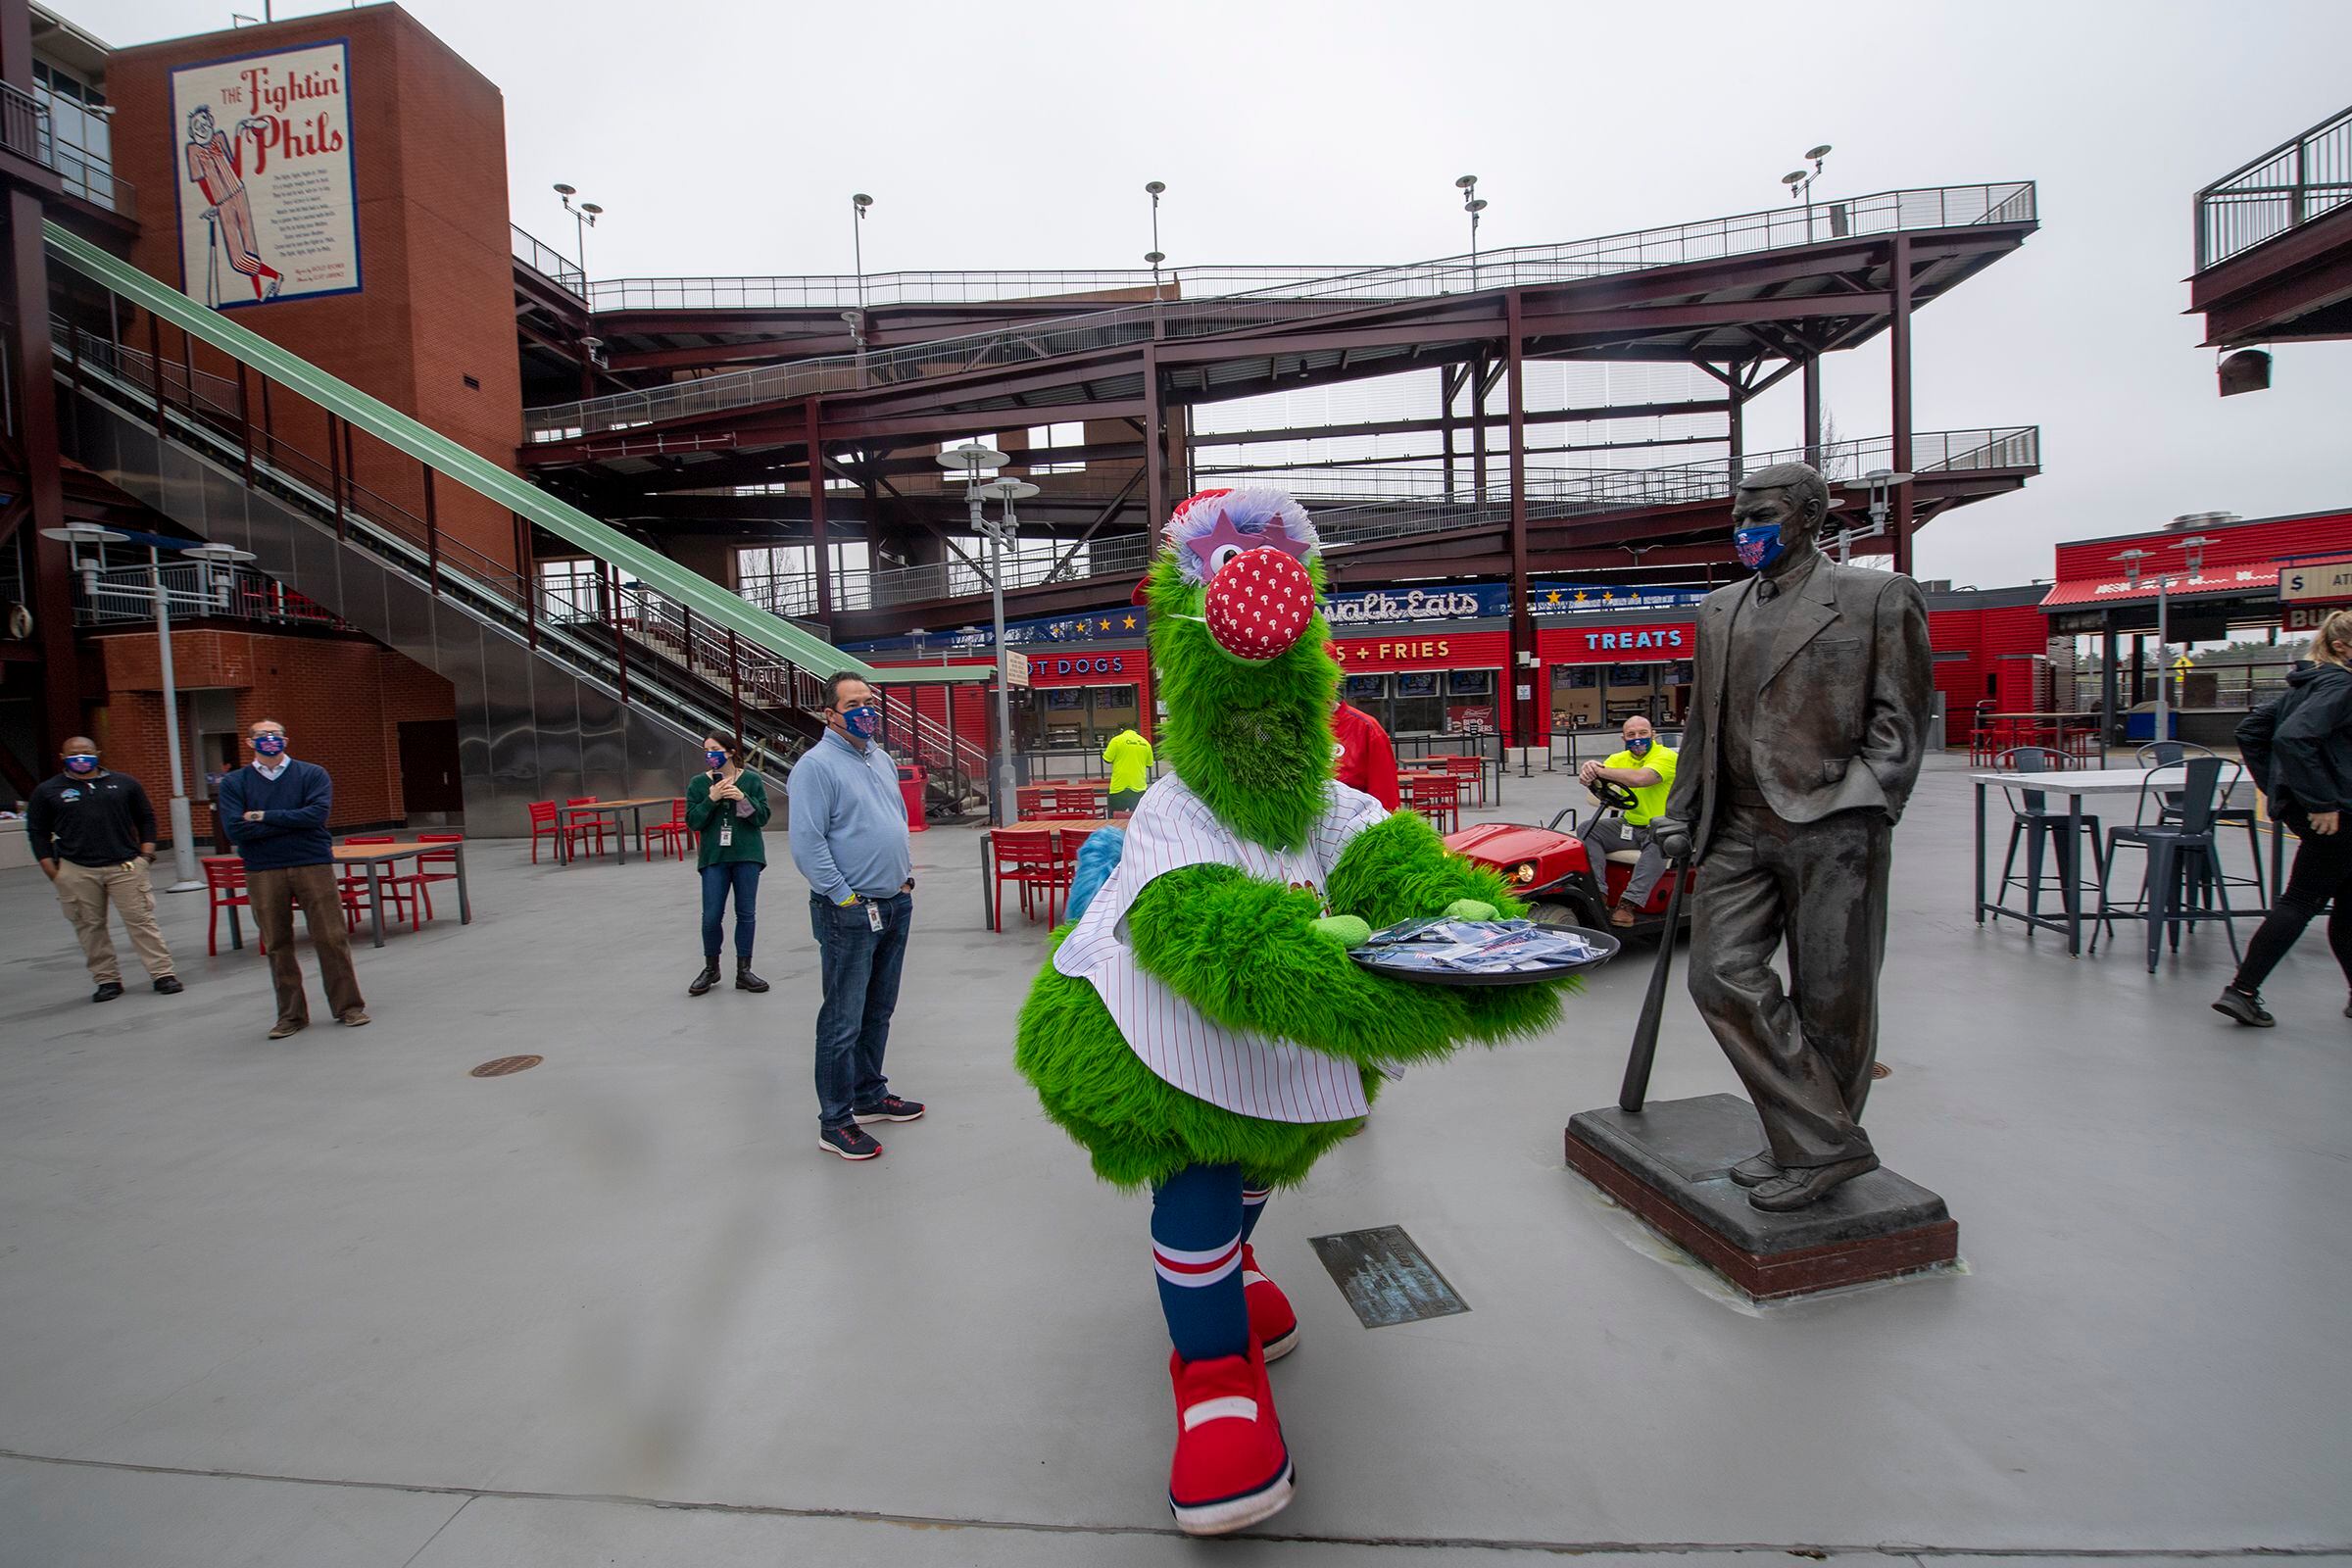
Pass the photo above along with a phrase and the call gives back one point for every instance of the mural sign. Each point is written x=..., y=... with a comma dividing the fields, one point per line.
x=269, y=209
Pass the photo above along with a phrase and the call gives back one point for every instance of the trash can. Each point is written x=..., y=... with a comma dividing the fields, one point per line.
x=911, y=790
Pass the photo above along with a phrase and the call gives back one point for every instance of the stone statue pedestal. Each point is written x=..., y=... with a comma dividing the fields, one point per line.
x=1670, y=1163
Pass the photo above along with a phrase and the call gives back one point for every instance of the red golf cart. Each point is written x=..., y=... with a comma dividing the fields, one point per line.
x=1548, y=867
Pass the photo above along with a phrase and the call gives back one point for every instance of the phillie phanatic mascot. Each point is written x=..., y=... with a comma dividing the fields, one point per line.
x=1199, y=1028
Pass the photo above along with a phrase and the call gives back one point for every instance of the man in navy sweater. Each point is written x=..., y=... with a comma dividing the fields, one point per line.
x=275, y=813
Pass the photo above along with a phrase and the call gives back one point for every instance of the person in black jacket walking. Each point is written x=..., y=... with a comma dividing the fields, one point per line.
x=94, y=834
x=2299, y=750
x=275, y=813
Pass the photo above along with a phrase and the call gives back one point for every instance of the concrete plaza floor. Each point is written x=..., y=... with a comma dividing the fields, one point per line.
x=333, y=1302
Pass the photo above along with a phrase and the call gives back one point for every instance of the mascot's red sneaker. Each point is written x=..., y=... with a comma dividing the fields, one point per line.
x=1272, y=1323
x=1231, y=1468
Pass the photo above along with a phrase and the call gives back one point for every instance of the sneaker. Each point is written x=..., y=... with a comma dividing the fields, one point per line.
x=1622, y=917
x=355, y=1018
x=288, y=1026
x=2245, y=1007
x=891, y=1108
x=850, y=1143
x=1272, y=1322
x=108, y=991
x=1231, y=1468
x=169, y=985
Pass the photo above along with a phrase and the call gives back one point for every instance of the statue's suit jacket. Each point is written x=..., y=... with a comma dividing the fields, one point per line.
x=1843, y=714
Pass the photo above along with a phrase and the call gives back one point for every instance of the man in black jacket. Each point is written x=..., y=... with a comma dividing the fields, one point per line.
x=1803, y=741
x=94, y=835
x=2299, y=751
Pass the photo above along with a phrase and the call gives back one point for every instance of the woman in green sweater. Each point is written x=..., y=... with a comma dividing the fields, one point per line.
x=727, y=808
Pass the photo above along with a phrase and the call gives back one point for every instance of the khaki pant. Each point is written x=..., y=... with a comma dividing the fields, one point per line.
x=85, y=891
x=274, y=895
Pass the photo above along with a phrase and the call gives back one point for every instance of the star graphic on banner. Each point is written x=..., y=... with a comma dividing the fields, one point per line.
x=1107, y=624
x=1130, y=623
x=1606, y=595
x=1554, y=597
x=1579, y=596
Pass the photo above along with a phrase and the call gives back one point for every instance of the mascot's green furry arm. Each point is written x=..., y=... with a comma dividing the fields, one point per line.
x=1249, y=739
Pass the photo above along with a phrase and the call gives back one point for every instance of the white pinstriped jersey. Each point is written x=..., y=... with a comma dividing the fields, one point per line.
x=1252, y=1074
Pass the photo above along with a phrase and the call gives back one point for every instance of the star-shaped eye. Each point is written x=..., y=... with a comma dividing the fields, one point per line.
x=1227, y=535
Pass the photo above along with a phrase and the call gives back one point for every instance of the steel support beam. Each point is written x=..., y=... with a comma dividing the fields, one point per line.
x=1899, y=342
x=817, y=515
x=1813, y=409
x=1527, y=728
x=1156, y=446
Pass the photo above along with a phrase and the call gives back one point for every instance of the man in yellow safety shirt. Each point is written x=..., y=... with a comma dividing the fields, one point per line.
x=1645, y=768
x=1130, y=757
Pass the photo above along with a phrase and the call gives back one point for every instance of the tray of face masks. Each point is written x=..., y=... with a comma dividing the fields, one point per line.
x=1439, y=952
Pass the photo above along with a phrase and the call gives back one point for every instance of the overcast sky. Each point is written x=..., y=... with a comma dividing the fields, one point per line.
x=727, y=137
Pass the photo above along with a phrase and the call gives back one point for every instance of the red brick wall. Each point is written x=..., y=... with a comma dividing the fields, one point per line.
x=430, y=162
x=342, y=700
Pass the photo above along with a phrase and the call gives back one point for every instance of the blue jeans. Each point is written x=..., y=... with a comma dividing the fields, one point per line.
x=744, y=877
x=860, y=969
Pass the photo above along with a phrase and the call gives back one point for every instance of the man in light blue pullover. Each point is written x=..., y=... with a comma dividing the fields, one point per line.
x=849, y=838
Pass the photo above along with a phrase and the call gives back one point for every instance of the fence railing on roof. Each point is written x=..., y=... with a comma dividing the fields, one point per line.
x=548, y=262
x=2284, y=189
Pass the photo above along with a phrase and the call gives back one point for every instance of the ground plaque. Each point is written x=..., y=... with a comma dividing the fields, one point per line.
x=1671, y=1161
x=1386, y=1276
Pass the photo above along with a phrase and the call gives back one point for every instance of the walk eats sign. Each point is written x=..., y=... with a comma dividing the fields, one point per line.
x=267, y=201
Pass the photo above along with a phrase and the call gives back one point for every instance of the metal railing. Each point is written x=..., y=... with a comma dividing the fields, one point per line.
x=2284, y=189
x=24, y=123
x=1939, y=206
x=840, y=291
x=125, y=595
x=548, y=262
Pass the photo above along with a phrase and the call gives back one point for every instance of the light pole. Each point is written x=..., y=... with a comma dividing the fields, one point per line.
x=858, y=205
x=1473, y=204
x=1155, y=189
x=1878, y=484
x=220, y=557
x=971, y=458
x=1800, y=182
x=2195, y=549
x=583, y=219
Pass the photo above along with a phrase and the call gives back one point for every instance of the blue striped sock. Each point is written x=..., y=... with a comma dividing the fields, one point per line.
x=1197, y=1221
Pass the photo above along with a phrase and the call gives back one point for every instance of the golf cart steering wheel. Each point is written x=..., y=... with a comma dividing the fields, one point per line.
x=1613, y=796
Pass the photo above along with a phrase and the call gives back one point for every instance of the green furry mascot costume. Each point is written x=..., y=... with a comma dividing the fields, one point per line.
x=1200, y=1027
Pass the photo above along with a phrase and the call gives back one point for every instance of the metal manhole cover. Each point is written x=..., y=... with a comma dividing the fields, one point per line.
x=505, y=1065
x=1878, y=1069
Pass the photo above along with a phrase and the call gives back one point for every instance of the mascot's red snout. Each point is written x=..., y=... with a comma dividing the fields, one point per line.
x=1260, y=603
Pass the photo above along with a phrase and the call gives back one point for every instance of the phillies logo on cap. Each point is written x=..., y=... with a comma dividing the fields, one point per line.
x=1260, y=603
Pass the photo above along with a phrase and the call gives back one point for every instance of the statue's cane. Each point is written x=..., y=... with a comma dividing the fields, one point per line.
x=1654, y=1005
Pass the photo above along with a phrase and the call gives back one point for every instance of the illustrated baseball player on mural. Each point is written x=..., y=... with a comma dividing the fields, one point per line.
x=265, y=177
x=217, y=166
x=1200, y=1028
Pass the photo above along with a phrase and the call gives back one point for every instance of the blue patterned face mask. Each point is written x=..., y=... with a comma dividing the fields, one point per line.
x=1758, y=548
x=1640, y=746
x=863, y=722
x=81, y=763
x=269, y=745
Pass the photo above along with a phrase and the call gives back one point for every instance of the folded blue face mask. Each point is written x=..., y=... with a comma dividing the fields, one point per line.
x=1758, y=548
x=269, y=745
x=863, y=722
x=81, y=763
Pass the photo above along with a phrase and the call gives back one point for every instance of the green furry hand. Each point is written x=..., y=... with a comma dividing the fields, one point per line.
x=1469, y=910
x=1345, y=929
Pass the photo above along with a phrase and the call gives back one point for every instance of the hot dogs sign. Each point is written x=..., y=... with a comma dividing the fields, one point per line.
x=268, y=209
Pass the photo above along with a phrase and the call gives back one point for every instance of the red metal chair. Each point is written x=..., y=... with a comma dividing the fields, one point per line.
x=673, y=834
x=1472, y=772
x=1085, y=801
x=351, y=882
x=1030, y=858
x=420, y=882
x=224, y=889
x=1437, y=797
x=580, y=830
x=544, y=826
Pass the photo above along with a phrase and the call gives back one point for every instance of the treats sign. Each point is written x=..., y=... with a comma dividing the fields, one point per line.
x=263, y=163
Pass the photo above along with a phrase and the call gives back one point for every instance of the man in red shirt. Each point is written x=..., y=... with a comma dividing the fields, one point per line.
x=1365, y=759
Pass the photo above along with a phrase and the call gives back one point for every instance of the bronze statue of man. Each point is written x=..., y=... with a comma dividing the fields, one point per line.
x=1802, y=743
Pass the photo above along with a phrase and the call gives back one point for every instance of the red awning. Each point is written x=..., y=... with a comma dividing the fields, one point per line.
x=2214, y=582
